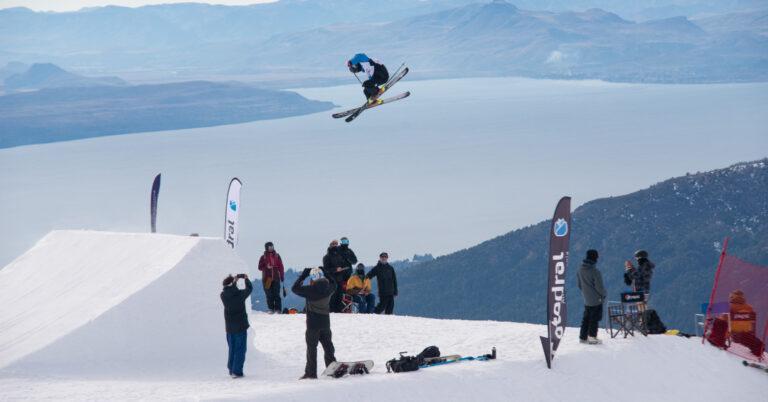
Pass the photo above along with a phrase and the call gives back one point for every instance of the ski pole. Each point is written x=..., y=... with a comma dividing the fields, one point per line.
x=358, y=78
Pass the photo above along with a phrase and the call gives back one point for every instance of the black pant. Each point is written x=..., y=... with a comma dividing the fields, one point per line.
x=386, y=304
x=336, y=306
x=274, y=302
x=592, y=315
x=380, y=77
x=324, y=337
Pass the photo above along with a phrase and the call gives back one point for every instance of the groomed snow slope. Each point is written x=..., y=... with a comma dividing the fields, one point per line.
x=136, y=330
x=112, y=301
x=656, y=368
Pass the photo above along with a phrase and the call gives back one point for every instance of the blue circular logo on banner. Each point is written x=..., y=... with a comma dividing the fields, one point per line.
x=561, y=228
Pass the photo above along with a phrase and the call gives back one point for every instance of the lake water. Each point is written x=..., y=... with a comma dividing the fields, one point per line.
x=457, y=163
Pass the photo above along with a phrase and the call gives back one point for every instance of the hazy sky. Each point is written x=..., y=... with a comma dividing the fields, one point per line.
x=69, y=5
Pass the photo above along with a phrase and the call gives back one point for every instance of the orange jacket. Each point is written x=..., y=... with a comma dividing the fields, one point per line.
x=742, y=316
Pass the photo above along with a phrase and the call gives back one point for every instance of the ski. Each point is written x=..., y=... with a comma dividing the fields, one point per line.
x=340, y=369
x=489, y=356
x=440, y=359
x=379, y=103
x=755, y=365
x=368, y=104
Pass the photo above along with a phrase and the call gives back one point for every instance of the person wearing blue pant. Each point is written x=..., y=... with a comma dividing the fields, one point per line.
x=236, y=321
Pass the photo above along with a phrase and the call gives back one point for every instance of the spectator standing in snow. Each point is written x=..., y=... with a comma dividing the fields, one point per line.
x=350, y=259
x=318, y=297
x=591, y=285
x=334, y=265
x=236, y=321
x=271, y=267
x=387, y=281
x=640, y=277
x=359, y=287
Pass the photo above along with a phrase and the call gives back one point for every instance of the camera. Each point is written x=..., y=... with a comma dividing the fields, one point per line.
x=240, y=275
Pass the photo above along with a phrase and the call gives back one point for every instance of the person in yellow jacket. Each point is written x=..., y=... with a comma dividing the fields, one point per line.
x=743, y=322
x=359, y=288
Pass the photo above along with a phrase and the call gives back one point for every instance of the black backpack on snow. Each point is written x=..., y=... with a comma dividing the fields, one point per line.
x=404, y=363
x=654, y=324
x=429, y=351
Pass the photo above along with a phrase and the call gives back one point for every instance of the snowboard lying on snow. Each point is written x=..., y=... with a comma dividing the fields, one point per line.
x=340, y=369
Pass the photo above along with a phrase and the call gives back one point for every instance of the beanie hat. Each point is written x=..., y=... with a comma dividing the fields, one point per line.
x=592, y=255
x=737, y=296
x=360, y=269
x=267, y=245
x=228, y=281
x=316, y=273
x=641, y=254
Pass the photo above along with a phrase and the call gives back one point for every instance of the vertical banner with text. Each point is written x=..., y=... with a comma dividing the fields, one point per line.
x=559, y=241
x=232, y=212
x=153, y=203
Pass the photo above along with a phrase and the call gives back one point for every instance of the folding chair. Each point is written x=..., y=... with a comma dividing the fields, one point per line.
x=619, y=320
x=349, y=305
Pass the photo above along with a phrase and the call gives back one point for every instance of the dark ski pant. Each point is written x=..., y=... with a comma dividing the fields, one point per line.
x=237, y=346
x=336, y=306
x=365, y=303
x=274, y=302
x=386, y=304
x=313, y=336
x=592, y=315
x=380, y=77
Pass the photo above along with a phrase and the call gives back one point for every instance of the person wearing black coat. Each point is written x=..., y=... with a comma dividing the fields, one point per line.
x=336, y=266
x=236, y=322
x=387, y=281
x=318, y=296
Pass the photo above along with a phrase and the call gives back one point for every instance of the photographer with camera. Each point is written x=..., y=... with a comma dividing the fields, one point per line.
x=318, y=295
x=236, y=321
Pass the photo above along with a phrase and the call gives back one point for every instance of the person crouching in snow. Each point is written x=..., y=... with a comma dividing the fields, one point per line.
x=318, y=295
x=591, y=285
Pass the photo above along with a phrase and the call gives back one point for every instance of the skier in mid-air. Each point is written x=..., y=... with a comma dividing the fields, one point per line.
x=376, y=71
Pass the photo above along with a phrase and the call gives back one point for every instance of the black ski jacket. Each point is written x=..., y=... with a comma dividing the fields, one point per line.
x=334, y=259
x=318, y=296
x=386, y=278
x=235, y=318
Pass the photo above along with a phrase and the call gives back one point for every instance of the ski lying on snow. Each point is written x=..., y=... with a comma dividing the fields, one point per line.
x=755, y=365
x=489, y=356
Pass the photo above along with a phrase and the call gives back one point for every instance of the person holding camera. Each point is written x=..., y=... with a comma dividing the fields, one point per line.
x=236, y=321
x=272, y=275
x=639, y=277
x=318, y=295
x=335, y=264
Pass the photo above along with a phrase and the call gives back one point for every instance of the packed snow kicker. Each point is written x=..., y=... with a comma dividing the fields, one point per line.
x=105, y=323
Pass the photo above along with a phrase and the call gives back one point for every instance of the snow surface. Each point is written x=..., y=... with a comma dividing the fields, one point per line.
x=124, y=327
x=112, y=301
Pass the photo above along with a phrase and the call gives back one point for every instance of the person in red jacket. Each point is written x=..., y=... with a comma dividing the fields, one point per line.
x=271, y=267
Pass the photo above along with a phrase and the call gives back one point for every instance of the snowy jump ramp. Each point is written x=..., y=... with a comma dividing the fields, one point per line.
x=101, y=302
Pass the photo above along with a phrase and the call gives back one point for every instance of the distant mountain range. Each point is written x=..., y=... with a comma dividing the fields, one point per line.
x=298, y=43
x=47, y=75
x=71, y=107
x=682, y=222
